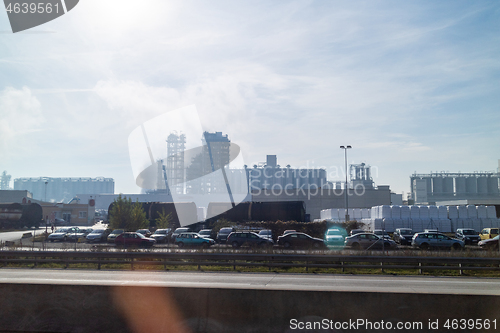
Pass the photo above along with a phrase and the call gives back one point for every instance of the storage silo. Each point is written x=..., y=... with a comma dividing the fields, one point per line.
x=471, y=185
x=448, y=185
x=481, y=212
x=433, y=212
x=442, y=212
x=493, y=185
x=460, y=185
x=385, y=212
x=482, y=185
x=462, y=212
x=491, y=212
x=453, y=212
x=437, y=185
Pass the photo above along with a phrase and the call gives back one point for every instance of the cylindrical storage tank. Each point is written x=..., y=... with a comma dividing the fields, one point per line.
x=482, y=185
x=453, y=212
x=365, y=213
x=471, y=185
x=437, y=185
x=442, y=212
x=357, y=213
x=325, y=214
x=405, y=212
x=424, y=212
x=460, y=185
x=414, y=212
x=433, y=212
x=396, y=212
x=493, y=185
x=448, y=185
x=385, y=211
x=481, y=212
x=462, y=212
x=374, y=212
x=471, y=212
x=342, y=214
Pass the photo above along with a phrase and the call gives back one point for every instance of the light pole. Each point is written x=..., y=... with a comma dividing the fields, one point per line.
x=345, y=187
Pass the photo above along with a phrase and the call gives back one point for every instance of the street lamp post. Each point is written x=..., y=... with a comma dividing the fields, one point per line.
x=345, y=187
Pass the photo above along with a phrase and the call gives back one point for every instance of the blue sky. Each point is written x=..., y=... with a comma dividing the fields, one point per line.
x=412, y=86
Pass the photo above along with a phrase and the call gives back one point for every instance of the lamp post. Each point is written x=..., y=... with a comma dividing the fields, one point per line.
x=345, y=188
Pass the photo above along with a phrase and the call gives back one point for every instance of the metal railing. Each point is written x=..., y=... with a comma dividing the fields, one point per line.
x=169, y=260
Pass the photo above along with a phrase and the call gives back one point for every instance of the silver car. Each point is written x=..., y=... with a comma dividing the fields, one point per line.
x=61, y=234
x=427, y=240
x=369, y=241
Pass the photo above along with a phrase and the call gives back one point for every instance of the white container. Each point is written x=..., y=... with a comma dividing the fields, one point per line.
x=424, y=212
x=462, y=212
x=453, y=212
x=396, y=212
x=414, y=212
x=405, y=212
x=385, y=211
x=433, y=212
x=471, y=212
x=481, y=212
x=442, y=212
x=491, y=212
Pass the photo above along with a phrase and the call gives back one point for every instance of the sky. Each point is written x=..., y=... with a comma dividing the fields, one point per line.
x=411, y=86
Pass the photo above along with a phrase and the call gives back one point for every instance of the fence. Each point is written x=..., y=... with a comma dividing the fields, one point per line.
x=270, y=261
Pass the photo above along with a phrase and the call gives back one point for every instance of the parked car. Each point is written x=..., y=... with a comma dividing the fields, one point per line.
x=112, y=236
x=382, y=234
x=427, y=240
x=134, y=239
x=468, y=236
x=161, y=235
x=79, y=233
x=177, y=232
x=488, y=233
x=205, y=233
x=61, y=234
x=267, y=233
x=145, y=232
x=335, y=237
x=356, y=231
x=288, y=232
x=403, y=236
x=97, y=235
x=241, y=238
x=223, y=233
x=300, y=240
x=369, y=241
x=187, y=239
x=490, y=243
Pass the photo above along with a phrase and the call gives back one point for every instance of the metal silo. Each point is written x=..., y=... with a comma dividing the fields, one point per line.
x=437, y=185
x=482, y=185
x=471, y=185
x=460, y=185
x=448, y=185
x=493, y=185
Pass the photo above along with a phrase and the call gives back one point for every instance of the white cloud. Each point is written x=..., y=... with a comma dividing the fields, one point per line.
x=20, y=115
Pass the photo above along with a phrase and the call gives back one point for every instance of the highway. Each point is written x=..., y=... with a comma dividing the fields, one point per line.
x=264, y=281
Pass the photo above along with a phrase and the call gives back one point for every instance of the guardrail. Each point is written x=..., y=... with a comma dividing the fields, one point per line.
x=270, y=261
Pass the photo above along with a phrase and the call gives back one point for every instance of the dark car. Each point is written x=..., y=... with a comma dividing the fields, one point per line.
x=222, y=235
x=300, y=240
x=468, y=236
x=369, y=241
x=403, y=236
x=161, y=235
x=134, y=239
x=145, y=232
x=98, y=235
x=177, y=232
x=241, y=238
x=489, y=244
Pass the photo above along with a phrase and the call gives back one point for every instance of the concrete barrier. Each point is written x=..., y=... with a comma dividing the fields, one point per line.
x=68, y=308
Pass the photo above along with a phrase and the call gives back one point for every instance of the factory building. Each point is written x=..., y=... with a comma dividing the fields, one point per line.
x=63, y=189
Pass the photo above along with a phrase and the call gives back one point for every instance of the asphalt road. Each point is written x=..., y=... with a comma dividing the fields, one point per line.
x=271, y=281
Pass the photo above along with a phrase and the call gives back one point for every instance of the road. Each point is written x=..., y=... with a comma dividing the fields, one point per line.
x=270, y=281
